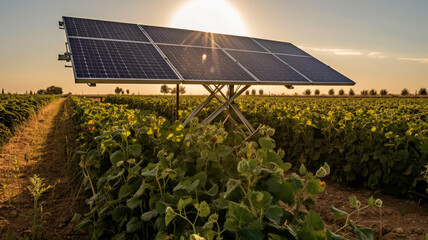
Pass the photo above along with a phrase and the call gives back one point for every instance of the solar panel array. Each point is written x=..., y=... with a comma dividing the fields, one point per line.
x=104, y=52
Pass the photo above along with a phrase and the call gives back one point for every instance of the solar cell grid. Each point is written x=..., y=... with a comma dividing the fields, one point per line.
x=102, y=29
x=113, y=51
x=266, y=67
x=101, y=59
x=236, y=42
x=178, y=36
x=315, y=70
x=281, y=47
x=196, y=63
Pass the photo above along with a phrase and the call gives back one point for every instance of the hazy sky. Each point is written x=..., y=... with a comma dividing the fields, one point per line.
x=376, y=43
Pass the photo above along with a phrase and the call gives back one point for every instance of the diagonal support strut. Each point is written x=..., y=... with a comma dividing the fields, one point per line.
x=225, y=103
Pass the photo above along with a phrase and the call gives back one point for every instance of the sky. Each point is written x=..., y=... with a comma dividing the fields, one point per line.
x=378, y=44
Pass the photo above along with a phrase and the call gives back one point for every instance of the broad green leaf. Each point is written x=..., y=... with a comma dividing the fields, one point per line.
x=213, y=191
x=120, y=212
x=353, y=201
x=150, y=173
x=362, y=232
x=286, y=166
x=192, y=187
x=313, y=187
x=124, y=191
x=204, y=209
x=232, y=184
x=140, y=190
x=260, y=199
x=170, y=215
x=223, y=151
x=213, y=217
x=338, y=214
x=249, y=234
x=133, y=202
x=332, y=236
x=135, y=149
x=314, y=221
x=147, y=216
x=182, y=203
x=371, y=202
x=302, y=170
x=133, y=225
x=274, y=213
x=237, y=216
x=322, y=172
x=117, y=157
x=266, y=143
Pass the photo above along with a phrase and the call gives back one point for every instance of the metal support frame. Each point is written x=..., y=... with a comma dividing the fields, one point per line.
x=227, y=101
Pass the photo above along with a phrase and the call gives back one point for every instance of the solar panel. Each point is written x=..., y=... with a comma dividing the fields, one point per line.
x=101, y=59
x=315, y=70
x=104, y=51
x=267, y=68
x=178, y=36
x=236, y=42
x=77, y=27
x=281, y=47
x=195, y=63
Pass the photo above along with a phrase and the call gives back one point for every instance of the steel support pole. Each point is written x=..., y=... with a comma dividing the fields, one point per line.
x=177, y=99
x=229, y=123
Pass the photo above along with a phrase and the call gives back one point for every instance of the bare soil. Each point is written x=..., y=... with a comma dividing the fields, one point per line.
x=397, y=219
x=43, y=146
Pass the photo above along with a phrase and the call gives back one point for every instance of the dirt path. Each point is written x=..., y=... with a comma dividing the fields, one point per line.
x=401, y=219
x=43, y=146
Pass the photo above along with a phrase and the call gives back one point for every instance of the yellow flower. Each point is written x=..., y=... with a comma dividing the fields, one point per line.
x=322, y=183
x=91, y=122
x=373, y=129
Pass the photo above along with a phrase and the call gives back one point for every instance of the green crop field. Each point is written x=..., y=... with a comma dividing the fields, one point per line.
x=148, y=177
x=15, y=109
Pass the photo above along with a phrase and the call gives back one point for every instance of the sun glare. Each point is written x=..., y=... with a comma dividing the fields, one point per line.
x=209, y=16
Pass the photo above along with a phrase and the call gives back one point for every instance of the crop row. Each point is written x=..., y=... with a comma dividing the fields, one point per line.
x=376, y=143
x=146, y=178
x=15, y=109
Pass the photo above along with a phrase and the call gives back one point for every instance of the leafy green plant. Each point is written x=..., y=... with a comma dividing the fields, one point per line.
x=361, y=232
x=15, y=109
x=37, y=188
x=374, y=143
x=148, y=178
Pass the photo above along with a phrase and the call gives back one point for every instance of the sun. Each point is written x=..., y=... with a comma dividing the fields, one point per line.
x=209, y=16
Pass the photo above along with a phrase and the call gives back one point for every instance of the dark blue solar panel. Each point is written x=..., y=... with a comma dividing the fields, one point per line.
x=281, y=47
x=112, y=60
x=315, y=70
x=236, y=42
x=196, y=63
x=178, y=36
x=78, y=27
x=266, y=67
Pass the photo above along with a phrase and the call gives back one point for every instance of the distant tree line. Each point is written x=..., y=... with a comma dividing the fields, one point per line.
x=49, y=90
x=364, y=92
x=165, y=89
